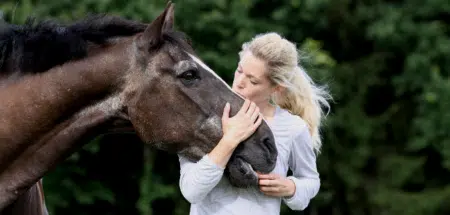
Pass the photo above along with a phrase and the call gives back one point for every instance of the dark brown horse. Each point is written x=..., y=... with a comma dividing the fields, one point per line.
x=60, y=86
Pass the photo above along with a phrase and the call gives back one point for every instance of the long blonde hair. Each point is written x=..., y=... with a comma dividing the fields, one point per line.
x=301, y=96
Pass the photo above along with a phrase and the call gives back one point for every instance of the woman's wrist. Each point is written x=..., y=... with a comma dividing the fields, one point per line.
x=291, y=189
x=222, y=152
x=232, y=143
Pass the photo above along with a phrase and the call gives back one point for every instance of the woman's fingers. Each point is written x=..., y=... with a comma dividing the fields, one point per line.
x=255, y=114
x=226, y=111
x=264, y=182
x=244, y=107
x=268, y=176
x=270, y=189
x=251, y=109
x=257, y=123
x=269, y=182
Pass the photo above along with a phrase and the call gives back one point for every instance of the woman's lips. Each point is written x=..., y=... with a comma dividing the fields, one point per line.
x=240, y=95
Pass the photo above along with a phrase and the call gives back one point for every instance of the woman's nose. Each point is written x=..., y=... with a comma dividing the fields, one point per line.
x=240, y=82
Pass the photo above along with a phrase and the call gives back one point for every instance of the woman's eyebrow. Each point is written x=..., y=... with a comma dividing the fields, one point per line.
x=253, y=77
x=248, y=75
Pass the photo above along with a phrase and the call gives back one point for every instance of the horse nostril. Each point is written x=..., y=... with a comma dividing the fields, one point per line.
x=268, y=142
x=242, y=170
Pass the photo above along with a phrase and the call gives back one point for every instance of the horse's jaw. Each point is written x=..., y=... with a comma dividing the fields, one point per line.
x=246, y=177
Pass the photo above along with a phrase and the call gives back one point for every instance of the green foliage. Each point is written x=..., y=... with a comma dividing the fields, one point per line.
x=386, y=140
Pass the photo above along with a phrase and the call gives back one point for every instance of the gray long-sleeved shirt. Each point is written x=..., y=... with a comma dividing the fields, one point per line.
x=209, y=193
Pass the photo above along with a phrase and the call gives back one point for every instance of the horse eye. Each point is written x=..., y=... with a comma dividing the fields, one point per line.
x=189, y=76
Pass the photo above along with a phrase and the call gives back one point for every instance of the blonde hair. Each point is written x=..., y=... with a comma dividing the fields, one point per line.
x=301, y=96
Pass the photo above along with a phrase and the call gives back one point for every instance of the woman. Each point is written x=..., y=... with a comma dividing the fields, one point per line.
x=274, y=85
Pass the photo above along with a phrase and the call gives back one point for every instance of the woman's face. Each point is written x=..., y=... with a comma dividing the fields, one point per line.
x=251, y=81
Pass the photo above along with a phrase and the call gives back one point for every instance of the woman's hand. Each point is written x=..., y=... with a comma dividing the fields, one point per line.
x=239, y=127
x=235, y=130
x=275, y=185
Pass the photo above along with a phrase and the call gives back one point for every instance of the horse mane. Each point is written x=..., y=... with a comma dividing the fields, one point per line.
x=38, y=46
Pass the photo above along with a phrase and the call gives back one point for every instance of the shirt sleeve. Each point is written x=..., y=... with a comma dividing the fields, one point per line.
x=198, y=179
x=302, y=162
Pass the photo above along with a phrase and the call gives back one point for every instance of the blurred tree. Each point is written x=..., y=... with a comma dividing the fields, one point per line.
x=386, y=147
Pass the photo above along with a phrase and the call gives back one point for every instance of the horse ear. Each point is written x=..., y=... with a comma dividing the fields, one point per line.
x=169, y=19
x=152, y=35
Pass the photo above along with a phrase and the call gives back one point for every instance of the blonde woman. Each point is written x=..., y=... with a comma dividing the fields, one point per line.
x=270, y=77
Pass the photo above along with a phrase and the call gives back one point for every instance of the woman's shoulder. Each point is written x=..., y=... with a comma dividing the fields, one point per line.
x=290, y=122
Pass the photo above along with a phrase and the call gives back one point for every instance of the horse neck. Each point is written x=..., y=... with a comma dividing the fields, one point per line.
x=38, y=103
x=45, y=116
x=47, y=98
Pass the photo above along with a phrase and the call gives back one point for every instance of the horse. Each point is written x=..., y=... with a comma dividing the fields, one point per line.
x=63, y=85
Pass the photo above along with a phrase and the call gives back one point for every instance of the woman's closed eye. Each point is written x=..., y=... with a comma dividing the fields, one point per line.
x=254, y=82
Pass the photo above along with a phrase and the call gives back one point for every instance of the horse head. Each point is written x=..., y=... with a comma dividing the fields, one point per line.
x=175, y=102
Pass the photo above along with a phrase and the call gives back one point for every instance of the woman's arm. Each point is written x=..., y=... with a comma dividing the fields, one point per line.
x=198, y=179
x=302, y=162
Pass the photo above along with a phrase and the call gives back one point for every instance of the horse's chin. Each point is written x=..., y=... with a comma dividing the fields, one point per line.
x=241, y=174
